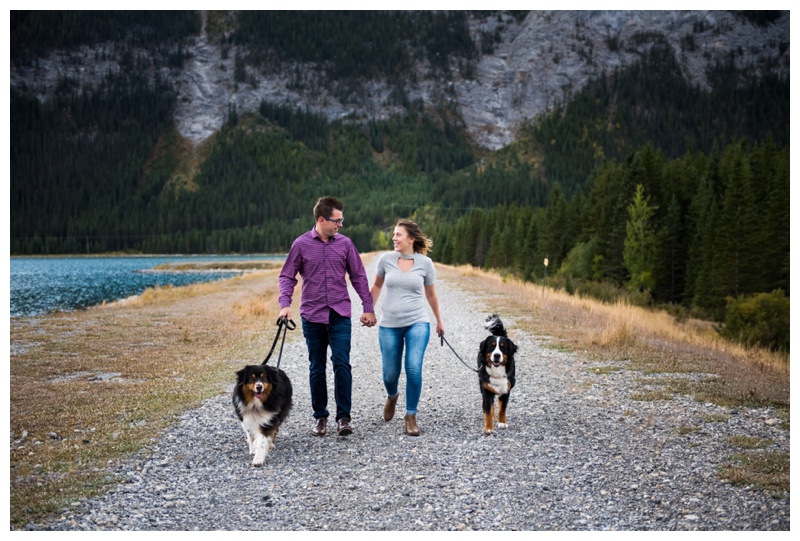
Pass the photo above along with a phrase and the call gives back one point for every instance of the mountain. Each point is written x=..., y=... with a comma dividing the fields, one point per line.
x=509, y=67
x=643, y=154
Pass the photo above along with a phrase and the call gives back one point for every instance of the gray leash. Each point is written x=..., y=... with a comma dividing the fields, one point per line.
x=444, y=341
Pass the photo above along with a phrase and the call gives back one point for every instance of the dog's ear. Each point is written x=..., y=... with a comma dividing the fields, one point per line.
x=480, y=351
x=241, y=375
x=513, y=346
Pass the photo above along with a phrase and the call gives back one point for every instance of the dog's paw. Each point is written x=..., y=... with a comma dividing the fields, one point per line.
x=488, y=432
x=259, y=458
x=261, y=451
x=502, y=425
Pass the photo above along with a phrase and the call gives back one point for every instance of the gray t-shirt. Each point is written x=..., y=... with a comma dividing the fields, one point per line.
x=404, y=301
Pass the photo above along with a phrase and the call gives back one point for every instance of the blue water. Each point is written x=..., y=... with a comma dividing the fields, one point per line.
x=42, y=285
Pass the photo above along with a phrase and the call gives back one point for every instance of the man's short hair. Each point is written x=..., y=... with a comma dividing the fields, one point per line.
x=325, y=207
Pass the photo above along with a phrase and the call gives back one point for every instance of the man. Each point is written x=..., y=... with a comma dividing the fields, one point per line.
x=322, y=257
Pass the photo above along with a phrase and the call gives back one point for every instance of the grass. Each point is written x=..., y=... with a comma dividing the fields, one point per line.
x=650, y=395
x=114, y=369
x=716, y=418
x=749, y=442
x=238, y=266
x=600, y=370
x=763, y=470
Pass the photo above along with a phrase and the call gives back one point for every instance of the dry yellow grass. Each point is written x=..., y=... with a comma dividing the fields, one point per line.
x=650, y=340
x=242, y=266
x=91, y=386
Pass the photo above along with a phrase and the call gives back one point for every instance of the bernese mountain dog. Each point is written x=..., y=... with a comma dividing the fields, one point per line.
x=496, y=372
x=262, y=399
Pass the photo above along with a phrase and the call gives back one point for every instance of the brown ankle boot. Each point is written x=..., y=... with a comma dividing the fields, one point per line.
x=388, y=408
x=411, y=425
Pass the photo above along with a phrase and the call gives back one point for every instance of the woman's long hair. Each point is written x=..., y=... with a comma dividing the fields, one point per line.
x=421, y=243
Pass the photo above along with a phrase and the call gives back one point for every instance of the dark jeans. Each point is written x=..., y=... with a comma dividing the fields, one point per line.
x=319, y=336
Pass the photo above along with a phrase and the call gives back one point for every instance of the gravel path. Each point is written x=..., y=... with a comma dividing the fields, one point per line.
x=579, y=454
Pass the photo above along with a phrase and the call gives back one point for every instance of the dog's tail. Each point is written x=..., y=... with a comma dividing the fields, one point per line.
x=494, y=325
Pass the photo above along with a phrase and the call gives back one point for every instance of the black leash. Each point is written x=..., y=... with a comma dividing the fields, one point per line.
x=444, y=341
x=287, y=324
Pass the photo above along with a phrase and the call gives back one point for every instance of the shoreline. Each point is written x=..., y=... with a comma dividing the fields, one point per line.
x=45, y=285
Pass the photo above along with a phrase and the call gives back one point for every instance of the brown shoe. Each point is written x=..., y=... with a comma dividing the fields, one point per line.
x=343, y=427
x=388, y=408
x=320, y=426
x=411, y=425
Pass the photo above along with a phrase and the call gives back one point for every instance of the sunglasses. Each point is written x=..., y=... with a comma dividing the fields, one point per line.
x=340, y=221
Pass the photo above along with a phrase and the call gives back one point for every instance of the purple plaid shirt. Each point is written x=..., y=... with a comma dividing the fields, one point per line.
x=322, y=266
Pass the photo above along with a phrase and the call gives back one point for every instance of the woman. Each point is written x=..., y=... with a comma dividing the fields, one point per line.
x=408, y=276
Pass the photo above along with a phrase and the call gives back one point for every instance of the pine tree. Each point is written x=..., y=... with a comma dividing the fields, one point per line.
x=771, y=174
x=738, y=246
x=553, y=233
x=671, y=277
x=641, y=243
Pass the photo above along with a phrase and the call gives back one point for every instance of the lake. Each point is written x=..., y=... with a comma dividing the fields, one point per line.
x=47, y=284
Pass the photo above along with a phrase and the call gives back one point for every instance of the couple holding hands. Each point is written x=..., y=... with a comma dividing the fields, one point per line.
x=322, y=257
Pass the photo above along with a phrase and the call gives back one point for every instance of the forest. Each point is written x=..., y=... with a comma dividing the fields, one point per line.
x=640, y=185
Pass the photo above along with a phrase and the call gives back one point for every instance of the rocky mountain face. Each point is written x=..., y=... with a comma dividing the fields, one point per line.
x=533, y=64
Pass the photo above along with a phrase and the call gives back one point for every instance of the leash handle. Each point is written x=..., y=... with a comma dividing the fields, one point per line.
x=286, y=321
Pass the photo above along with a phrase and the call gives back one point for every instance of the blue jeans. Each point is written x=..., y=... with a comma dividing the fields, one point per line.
x=336, y=334
x=392, y=339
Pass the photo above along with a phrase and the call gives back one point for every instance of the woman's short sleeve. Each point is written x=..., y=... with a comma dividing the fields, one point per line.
x=380, y=269
x=430, y=272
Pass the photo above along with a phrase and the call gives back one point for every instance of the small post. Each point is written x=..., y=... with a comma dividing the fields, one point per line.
x=546, y=262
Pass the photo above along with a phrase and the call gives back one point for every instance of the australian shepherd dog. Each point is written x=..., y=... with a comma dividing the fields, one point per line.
x=496, y=372
x=262, y=399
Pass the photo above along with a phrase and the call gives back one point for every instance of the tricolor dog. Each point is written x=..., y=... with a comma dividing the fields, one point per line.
x=496, y=372
x=262, y=399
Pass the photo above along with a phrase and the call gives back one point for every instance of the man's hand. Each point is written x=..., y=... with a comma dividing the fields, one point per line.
x=286, y=313
x=368, y=319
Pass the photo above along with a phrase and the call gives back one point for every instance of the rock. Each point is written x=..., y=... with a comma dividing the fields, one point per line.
x=537, y=63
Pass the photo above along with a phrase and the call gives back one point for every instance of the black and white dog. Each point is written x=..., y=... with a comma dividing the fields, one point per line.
x=262, y=399
x=496, y=372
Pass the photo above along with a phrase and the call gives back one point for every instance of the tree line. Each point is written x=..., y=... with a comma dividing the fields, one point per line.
x=358, y=44
x=650, y=100
x=692, y=231
x=33, y=33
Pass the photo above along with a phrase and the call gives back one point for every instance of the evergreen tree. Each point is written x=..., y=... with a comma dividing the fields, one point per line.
x=553, y=234
x=739, y=247
x=608, y=213
x=770, y=169
x=671, y=272
x=641, y=243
